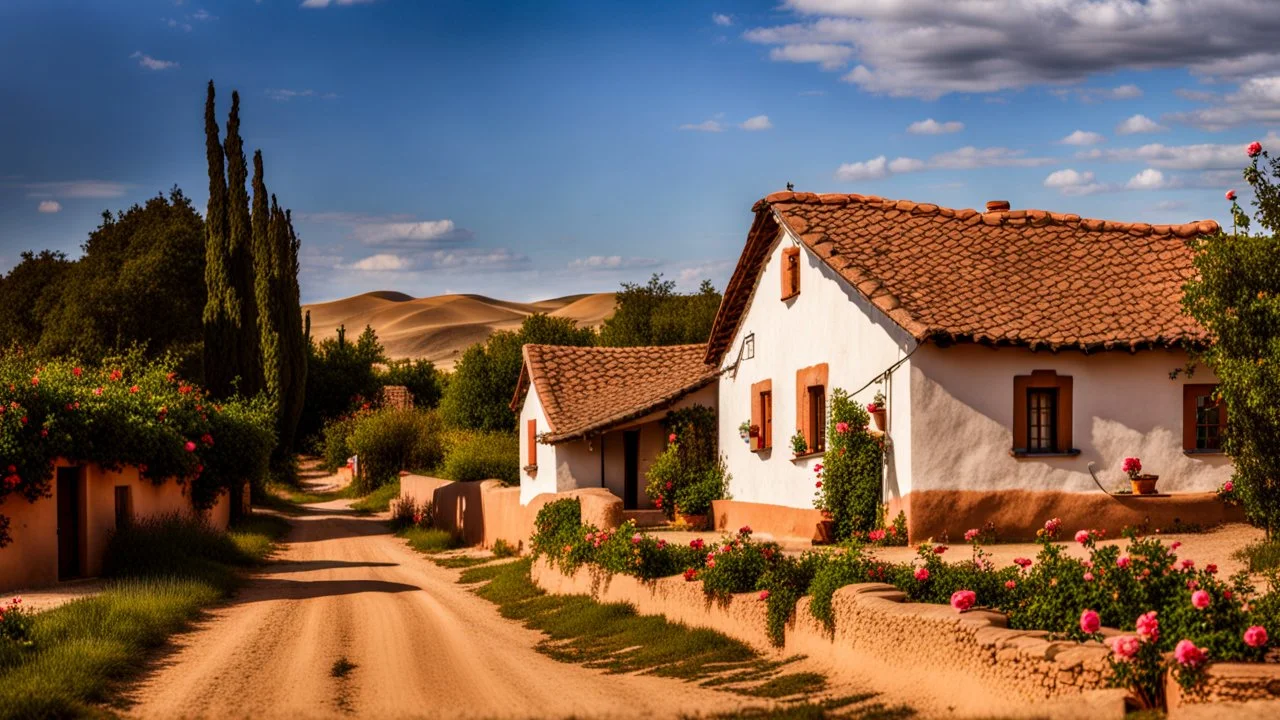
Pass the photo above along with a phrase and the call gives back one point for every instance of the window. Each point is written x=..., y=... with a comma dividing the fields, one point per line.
x=1042, y=414
x=531, y=454
x=762, y=415
x=790, y=272
x=1203, y=419
x=124, y=505
x=1042, y=420
x=811, y=406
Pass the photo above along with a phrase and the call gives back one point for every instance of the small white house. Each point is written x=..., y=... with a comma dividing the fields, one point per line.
x=1014, y=349
x=592, y=416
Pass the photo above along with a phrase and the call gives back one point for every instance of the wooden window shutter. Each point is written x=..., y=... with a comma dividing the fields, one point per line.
x=811, y=389
x=790, y=272
x=762, y=414
x=1206, y=436
x=1061, y=431
x=532, y=453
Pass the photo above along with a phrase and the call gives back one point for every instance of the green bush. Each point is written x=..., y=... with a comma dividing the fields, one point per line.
x=482, y=456
x=421, y=377
x=689, y=473
x=852, y=469
x=391, y=440
x=334, y=441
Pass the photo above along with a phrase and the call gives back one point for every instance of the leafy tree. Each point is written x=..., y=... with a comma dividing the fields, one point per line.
x=1236, y=297
x=25, y=295
x=340, y=375
x=424, y=381
x=479, y=393
x=148, y=257
x=655, y=314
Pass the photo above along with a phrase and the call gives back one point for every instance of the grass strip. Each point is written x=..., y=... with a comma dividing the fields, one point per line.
x=379, y=500
x=165, y=572
x=430, y=540
x=1260, y=556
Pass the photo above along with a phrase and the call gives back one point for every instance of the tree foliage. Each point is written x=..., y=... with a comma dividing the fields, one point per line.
x=220, y=314
x=421, y=377
x=478, y=396
x=1235, y=295
x=655, y=314
x=340, y=375
x=25, y=295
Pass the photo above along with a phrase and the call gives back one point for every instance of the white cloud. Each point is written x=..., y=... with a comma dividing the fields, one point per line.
x=76, y=189
x=704, y=126
x=1149, y=179
x=905, y=165
x=611, y=262
x=867, y=170
x=1070, y=182
x=382, y=262
x=403, y=233
x=496, y=259
x=965, y=158
x=1139, y=124
x=1090, y=95
x=759, y=122
x=150, y=63
x=284, y=94
x=933, y=127
x=1166, y=205
x=326, y=3
x=1201, y=156
x=828, y=57
x=177, y=24
x=203, y=16
x=721, y=19
x=49, y=206
x=926, y=48
x=1082, y=137
x=1257, y=100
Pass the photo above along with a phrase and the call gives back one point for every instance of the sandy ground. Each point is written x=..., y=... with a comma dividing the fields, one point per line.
x=422, y=645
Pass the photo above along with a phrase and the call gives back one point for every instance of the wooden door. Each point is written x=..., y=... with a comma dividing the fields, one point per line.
x=631, y=469
x=68, y=523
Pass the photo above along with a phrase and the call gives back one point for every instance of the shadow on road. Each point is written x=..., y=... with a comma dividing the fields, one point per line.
x=264, y=589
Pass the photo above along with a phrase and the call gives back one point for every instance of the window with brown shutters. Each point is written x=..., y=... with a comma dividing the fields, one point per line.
x=531, y=454
x=1204, y=417
x=790, y=272
x=1042, y=414
x=762, y=415
x=811, y=406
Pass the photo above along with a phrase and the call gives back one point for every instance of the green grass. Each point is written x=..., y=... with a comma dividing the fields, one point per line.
x=430, y=540
x=255, y=535
x=1260, y=556
x=850, y=707
x=379, y=500
x=504, y=549
x=165, y=573
x=460, y=561
x=803, y=683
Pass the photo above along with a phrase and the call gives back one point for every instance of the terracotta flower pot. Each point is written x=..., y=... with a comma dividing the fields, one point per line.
x=879, y=418
x=695, y=522
x=1144, y=484
x=826, y=531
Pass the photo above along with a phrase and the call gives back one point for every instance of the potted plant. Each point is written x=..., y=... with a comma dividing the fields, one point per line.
x=876, y=408
x=744, y=431
x=799, y=445
x=1142, y=484
x=825, y=532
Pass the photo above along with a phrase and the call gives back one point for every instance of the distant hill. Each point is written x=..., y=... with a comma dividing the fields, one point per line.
x=440, y=328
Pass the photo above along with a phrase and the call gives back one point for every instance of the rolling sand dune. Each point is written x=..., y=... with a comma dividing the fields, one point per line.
x=441, y=327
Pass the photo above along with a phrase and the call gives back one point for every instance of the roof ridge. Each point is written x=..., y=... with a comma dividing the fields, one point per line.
x=1034, y=218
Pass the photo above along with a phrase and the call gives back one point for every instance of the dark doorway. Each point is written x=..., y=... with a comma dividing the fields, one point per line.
x=631, y=469
x=68, y=523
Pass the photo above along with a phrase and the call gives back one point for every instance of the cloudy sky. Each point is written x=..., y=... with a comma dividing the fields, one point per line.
x=534, y=149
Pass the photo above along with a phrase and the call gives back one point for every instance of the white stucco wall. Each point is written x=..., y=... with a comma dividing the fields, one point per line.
x=827, y=322
x=1124, y=405
x=544, y=480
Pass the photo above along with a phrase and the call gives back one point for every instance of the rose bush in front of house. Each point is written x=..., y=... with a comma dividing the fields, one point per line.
x=689, y=473
x=125, y=412
x=848, y=480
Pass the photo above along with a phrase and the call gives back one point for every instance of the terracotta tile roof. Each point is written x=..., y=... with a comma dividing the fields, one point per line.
x=590, y=389
x=1021, y=277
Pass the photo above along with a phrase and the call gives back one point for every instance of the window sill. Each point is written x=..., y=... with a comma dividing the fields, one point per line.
x=1203, y=452
x=791, y=296
x=766, y=449
x=530, y=470
x=1025, y=454
x=806, y=456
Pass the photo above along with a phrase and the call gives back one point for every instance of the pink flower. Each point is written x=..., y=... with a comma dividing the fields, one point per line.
x=1125, y=646
x=190, y=446
x=1188, y=564
x=1200, y=599
x=970, y=534
x=690, y=575
x=97, y=391
x=875, y=535
x=1009, y=584
x=697, y=544
x=1231, y=195
x=842, y=427
x=764, y=594
x=1186, y=653
x=1228, y=486
x=1175, y=545
x=939, y=549
x=1022, y=562
x=1148, y=626
x=1211, y=569
x=1090, y=622
x=1088, y=577
x=1132, y=466
x=922, y=574
x=817, y=468
x=1122, y=561
x=962, y=600
x=1254, y=149
x=1051, y=527
x=711, y=563
x=671, y=438
x=1255, y=636
x=661, y=543
x=1082, y=536
x=77, y=372
x=635, y=539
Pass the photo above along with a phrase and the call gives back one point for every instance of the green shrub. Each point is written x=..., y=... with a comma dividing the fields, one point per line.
x=334, y=443
x=391, y=440
x=475, y=456
x=852, y=469
x=689, y=473
x=173, y=546
x=558, y=525
x=737, y=565
x=421, y=377
x=504, y=549
x=431, y=540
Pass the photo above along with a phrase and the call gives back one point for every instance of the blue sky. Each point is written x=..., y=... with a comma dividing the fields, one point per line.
x=533, y=149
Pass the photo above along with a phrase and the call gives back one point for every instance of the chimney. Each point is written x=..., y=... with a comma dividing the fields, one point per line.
x=997, y=206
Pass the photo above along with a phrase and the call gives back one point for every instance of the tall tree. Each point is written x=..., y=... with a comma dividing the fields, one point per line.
x=294, y=339
x=26, y=293
x=268, y=231
x=655, y=314
x=220, y=315
x=248, y=358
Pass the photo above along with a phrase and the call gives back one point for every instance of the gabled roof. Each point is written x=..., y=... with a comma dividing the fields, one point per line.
x=590, y=389
x=1022, y=277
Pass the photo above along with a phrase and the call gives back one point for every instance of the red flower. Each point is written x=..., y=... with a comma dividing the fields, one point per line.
x=116, y=375
x=171, y=376
x=1254, y=149
x=76, y=371
x=44, y=432
x=35, y=381
x=671, y=438
x=24, y=419
x=1231, y=195
x=133, y=389
x=190, y=446
x=184, y=389
x=207, y=439
x=690, y=575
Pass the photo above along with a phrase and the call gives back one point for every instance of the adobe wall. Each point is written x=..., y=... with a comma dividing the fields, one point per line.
x=778, y=521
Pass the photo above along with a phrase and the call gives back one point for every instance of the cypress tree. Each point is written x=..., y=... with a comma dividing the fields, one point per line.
x=293, y=342
x=240, y=251
x=267, y=229
x=219, y=318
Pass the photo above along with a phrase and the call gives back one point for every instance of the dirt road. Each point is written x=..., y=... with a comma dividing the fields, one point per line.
x=421, y=645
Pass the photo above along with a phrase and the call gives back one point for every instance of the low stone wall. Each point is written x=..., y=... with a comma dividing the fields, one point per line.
x=777, y=521
x=1231, y=683
x=484, y=512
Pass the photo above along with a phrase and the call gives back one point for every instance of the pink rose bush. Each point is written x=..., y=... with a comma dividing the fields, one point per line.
x=1090, y=622
x=963, y=600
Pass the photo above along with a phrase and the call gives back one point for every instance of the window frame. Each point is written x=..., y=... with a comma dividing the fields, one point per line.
x=1191, y=392
x=814, y=376
x=762, y=415
x=1042, y=379
x=1050, y=417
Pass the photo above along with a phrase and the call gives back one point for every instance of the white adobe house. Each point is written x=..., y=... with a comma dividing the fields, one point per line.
x=1014, y=348
x=591, y=417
